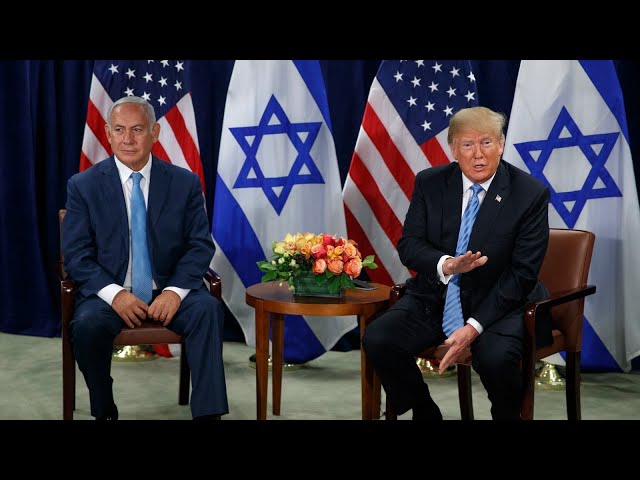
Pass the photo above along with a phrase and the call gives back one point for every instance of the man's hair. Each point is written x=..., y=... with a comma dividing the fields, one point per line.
x=482, y=119
x=146, y=106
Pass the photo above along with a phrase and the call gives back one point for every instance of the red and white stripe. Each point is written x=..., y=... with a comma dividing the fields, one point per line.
x=379, y=185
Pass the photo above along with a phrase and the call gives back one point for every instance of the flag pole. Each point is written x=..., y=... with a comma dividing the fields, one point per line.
x=548, y=378
x=429, y=368
x=133, y=353
x=286, y=367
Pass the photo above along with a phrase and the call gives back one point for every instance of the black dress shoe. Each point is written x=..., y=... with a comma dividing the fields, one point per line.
x=207, y=418
x=427, y=411
x=110, y=417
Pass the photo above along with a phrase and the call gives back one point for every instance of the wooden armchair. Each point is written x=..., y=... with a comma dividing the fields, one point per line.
x=564, y=272
x=149, y=333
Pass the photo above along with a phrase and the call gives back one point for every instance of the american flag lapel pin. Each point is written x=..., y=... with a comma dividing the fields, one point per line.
x=498, y=198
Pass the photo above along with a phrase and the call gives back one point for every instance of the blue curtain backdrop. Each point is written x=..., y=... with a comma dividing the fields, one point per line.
x=42, y=121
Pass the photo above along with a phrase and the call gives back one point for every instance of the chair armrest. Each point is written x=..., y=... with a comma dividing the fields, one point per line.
x=215, y=283
x=396, y=292
x=66, y=298
x=554, y=299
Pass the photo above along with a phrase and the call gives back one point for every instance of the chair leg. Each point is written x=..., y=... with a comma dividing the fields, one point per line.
x=377, y=393
x=68, y=380
x=464, y=391
x=185, y=377
x=528, y=388
x=573, y=386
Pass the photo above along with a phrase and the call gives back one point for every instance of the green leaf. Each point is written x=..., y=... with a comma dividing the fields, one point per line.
x=346, y=282
x=369, y=262
x=266, y=266
x=269, y=276
x=334, y=284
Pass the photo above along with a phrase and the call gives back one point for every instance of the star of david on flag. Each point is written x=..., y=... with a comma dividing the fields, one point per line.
x=568, y=128
x=302, y=137
x=277, y=174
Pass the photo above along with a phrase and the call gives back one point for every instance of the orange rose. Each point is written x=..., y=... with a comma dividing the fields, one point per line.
x=353, y=267
x=350, y=250
x=319, y=266
x=335, y=266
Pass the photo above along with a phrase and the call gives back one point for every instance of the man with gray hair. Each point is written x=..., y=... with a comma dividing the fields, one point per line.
x=136, y=242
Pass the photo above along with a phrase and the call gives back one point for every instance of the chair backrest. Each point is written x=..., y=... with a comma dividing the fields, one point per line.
x=61, y=272
x=565, y=267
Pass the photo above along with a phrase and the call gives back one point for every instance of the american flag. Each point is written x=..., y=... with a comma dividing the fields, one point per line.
x=404, y=130
x=164, y=84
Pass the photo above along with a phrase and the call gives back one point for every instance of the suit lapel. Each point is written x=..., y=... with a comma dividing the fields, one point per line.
x=113, y=195
x=452, y=210
x=493, y=202
x=158, y=190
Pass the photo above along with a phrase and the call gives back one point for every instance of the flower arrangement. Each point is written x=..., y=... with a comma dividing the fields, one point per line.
x=334, y=260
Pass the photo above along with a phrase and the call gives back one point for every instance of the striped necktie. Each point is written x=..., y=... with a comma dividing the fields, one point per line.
x=452, y=318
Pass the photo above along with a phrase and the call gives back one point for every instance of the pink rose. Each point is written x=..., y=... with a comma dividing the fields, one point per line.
x=328, y=239
x=318, y=251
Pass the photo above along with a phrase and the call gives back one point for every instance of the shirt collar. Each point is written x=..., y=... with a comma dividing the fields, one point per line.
x=125, y=172
x=466, y=183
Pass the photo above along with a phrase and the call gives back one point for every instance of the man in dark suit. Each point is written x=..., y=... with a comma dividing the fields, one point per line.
x=97, y=247
x=496, y=272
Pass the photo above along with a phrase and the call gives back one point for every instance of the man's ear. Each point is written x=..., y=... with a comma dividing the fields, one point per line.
x=155, y=132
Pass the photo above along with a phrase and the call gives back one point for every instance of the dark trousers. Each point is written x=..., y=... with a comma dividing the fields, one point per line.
x=393, y=340
x=200, y=318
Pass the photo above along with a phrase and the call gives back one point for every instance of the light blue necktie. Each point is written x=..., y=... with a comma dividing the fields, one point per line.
x=452, y=318
x=141, y=285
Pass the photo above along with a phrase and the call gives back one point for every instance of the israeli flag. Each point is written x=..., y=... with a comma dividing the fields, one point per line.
x=568, y=128
x=277, y=174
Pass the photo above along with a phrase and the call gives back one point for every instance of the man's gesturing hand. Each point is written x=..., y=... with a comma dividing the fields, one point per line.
x=464, y=263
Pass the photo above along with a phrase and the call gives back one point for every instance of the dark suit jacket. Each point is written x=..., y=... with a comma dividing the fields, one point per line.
x=512, y=229
x=95, y=229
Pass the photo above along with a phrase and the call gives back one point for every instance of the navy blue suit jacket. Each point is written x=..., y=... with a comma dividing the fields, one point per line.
x=95, y=229
x=512, y=229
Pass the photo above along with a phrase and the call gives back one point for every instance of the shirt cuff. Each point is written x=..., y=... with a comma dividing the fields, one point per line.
x=475, y=324
x=443, y=278
x=109, y=292
x=182, y=292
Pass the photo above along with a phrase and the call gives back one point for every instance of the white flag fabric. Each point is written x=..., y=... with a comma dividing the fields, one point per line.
x=277, y=174
x=568, y=128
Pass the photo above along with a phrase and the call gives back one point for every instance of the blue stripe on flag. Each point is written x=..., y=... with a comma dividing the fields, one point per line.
x=243, y=256
x=312, y=77
x=606, y=82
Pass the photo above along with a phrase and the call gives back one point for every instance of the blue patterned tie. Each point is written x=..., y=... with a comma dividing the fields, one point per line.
x=141, y=285
x=452, y=318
